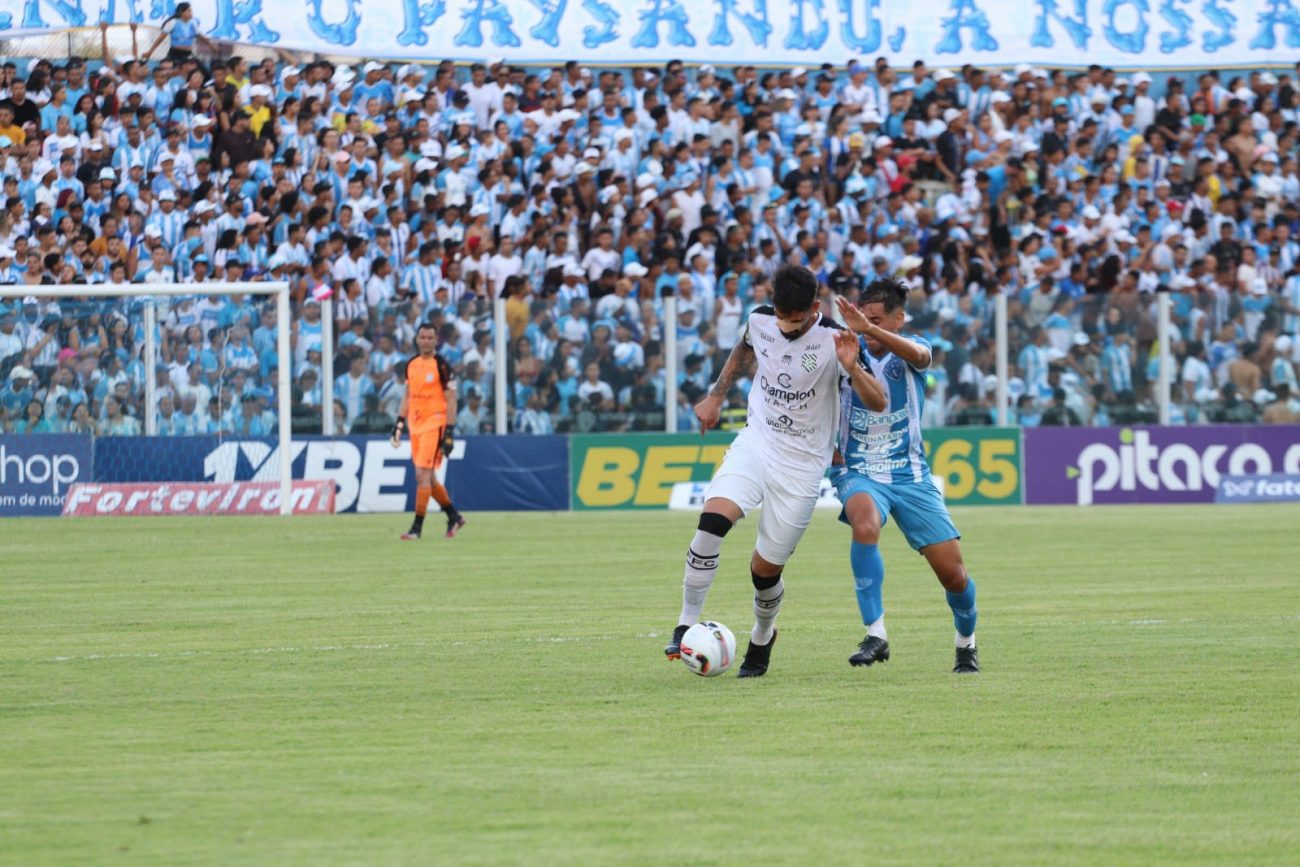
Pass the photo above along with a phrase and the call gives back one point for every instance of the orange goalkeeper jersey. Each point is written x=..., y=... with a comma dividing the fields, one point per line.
x=427, y=381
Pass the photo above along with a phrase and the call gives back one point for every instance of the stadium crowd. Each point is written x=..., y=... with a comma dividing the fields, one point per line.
x=408, y=193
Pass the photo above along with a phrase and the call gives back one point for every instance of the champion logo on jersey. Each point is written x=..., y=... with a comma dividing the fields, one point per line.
x=787, y=360
x=809, y=362
x=894, y=369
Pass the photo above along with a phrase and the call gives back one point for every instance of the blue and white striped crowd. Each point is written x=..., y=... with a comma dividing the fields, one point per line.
x=418, y=193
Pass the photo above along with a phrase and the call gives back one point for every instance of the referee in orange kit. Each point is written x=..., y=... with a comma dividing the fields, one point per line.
x=430, y=404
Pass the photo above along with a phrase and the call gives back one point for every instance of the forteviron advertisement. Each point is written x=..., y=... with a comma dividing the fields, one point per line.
x=1086, y=466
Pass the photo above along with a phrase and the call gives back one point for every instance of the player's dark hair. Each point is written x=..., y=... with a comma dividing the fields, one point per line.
x=886, y=291
x=794, y=289
x=426, y=324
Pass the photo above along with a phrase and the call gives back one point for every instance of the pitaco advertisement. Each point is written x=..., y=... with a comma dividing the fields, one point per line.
x=1086, y=466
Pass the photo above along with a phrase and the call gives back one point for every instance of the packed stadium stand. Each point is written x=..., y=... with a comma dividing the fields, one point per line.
x=411, y=193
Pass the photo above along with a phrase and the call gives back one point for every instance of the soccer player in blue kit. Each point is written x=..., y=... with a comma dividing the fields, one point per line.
x=885, y=473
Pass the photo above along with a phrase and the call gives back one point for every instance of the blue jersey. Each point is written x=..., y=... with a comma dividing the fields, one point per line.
x=887, y=446
x=184, y=32
x=1291, y=295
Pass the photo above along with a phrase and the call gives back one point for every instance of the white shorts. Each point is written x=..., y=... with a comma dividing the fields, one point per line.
x=751, y=479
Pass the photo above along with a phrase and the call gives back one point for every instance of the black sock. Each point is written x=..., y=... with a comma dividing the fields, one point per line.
x=418, y=524
x=452, y=514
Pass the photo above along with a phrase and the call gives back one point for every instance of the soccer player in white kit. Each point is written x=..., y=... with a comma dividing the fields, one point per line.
x=778, y=459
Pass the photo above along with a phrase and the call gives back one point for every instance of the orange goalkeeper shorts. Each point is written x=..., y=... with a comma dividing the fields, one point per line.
x=426, y=446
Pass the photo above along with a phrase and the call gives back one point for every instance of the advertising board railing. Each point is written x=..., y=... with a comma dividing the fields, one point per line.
x=972, y=465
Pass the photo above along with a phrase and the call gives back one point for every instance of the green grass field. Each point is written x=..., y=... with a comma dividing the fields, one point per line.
x=312, y=691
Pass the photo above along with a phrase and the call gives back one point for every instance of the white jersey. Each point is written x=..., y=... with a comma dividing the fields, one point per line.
x=794, y=404
x=728, y=324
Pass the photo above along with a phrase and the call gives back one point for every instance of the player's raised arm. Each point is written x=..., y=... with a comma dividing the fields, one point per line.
x=868, y=389
x=913, y=353
x=709, y=410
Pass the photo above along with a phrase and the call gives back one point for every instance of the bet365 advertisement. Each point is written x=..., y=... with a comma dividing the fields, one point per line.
x=637, y=471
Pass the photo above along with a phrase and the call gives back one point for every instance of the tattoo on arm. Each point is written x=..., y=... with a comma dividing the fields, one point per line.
x=741, y=359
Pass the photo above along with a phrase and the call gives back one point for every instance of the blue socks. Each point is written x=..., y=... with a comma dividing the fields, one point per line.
x=963, y=608
x=868, y=576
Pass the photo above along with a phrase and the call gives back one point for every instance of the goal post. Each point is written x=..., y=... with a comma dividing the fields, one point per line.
x=279, y=290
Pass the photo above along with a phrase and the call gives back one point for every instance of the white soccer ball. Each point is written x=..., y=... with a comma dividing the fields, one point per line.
x=708, y=648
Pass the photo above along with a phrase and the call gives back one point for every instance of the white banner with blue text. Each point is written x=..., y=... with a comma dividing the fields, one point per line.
x=1148, y=34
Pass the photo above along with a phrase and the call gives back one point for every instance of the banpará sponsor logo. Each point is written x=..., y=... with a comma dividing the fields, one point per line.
x=866, y=418
x=1136, y=463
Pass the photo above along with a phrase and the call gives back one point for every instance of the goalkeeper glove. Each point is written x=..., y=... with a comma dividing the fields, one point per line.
x=396, y=437
x=447, y=441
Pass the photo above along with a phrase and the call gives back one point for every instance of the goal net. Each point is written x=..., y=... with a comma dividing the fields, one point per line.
x=185, y=398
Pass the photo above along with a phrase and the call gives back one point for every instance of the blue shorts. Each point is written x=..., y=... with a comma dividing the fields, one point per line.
x=917, y=506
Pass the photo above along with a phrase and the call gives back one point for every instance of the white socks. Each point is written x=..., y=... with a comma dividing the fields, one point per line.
x=701, y=566
x=767, y=604
x=878, y=628
x=965, y=640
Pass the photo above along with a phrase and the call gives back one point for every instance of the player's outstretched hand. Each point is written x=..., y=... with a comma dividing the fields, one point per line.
x=853, y=317
x=847, y=349
x=709, y=411
x=395, y=439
